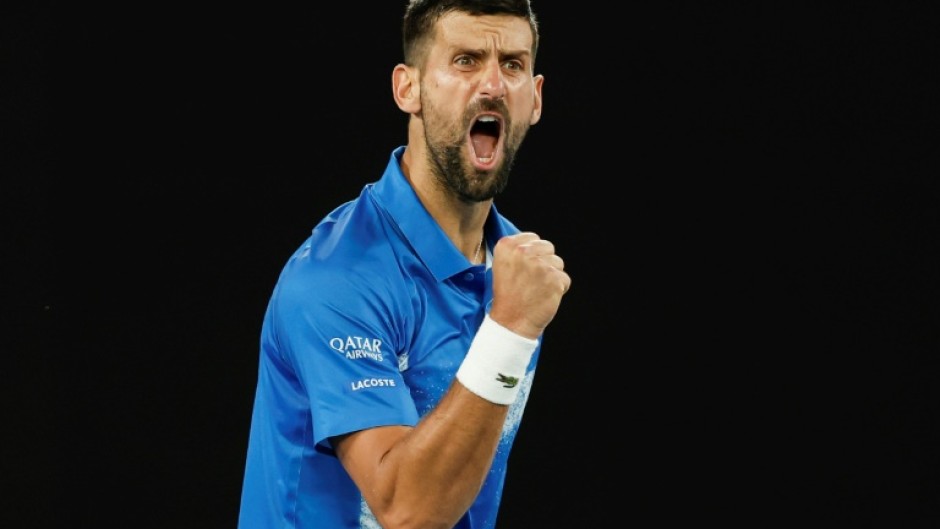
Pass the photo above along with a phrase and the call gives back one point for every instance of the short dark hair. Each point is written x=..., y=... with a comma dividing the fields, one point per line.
x=421, y=15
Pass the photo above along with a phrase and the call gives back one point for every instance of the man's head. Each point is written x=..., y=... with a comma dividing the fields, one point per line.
x=469, y=84
x=422, y=15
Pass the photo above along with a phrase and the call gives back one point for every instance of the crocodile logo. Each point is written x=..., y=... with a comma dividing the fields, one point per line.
x=508, y=382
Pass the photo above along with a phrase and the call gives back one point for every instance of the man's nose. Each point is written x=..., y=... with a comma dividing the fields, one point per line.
x=493, y=84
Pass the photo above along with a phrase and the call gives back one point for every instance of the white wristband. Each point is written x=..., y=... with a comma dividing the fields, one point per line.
x=496, y=362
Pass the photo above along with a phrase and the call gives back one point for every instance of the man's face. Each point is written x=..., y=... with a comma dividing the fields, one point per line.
x=478, y=99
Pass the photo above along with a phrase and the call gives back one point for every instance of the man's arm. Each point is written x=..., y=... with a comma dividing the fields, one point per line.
x=429, y=475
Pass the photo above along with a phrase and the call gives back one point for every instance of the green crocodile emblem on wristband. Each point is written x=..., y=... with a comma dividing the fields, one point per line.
x=508, y=382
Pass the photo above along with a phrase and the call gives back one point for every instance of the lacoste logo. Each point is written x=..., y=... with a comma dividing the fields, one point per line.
x=508, y=382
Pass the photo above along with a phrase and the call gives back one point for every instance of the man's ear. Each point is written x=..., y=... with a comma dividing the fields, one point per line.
x=537, y=108
x=406, y=88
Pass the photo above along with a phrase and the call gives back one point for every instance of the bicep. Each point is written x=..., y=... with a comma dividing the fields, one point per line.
x=363, y=453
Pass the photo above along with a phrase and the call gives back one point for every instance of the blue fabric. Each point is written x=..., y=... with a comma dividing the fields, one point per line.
x=367, y=325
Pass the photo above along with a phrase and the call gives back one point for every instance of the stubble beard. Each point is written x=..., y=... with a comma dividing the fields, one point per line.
x=448, y=158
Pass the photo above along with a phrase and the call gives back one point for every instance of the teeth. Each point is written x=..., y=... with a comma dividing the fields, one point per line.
x=484, y=159
x=487, y=119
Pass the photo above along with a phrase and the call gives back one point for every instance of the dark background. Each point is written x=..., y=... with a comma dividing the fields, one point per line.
x=745, y=196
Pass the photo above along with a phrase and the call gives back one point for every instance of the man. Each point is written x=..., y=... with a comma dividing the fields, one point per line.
x=400, y=342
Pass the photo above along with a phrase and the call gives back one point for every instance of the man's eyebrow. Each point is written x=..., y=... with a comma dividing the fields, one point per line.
x=524, y=54
x=504, y=54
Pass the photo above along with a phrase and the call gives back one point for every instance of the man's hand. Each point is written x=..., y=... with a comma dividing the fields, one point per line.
x=529, y=280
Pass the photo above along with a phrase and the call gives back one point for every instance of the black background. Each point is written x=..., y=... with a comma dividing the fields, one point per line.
x=742, y=195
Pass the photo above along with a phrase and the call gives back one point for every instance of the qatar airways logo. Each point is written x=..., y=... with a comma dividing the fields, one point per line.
x=357, y=347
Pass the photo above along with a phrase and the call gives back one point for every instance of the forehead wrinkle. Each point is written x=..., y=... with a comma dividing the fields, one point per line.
x=486, y=34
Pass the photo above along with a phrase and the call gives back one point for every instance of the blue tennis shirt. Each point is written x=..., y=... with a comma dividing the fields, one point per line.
x=368, y=322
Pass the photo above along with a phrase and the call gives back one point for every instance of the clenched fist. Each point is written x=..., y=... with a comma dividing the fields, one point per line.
x=529, y=280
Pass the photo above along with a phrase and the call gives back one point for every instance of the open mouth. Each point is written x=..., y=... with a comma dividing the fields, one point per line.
x=484, y=138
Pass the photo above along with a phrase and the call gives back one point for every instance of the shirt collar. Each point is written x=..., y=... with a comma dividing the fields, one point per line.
x=394, y=194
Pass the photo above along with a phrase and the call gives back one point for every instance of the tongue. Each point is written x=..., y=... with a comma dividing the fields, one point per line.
x=483, y=145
